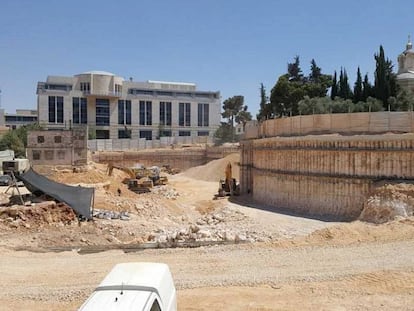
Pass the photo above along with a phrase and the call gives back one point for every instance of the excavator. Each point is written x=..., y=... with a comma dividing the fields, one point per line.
x=229, y=185
x=138, y=185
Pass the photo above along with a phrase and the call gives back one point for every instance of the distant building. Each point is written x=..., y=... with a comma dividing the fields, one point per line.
x=57, y=147
x=405, y=75
x=114, y=108
x=15, y=120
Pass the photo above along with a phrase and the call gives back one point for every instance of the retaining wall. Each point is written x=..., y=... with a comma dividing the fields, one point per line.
x=323, y=175
x=344, y=123
x=181, y=159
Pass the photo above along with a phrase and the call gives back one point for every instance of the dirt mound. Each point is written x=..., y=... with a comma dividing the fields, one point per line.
x=214, y=170
x=356, y=232
x=388, y=202
x=45, y=213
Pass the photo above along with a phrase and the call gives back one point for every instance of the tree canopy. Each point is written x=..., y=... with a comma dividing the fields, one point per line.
x=293, y=86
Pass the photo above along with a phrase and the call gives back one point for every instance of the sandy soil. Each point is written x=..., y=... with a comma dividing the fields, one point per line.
x=301, y=264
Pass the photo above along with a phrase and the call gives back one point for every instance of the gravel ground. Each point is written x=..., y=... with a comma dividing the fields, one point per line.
x=304, y=264
x=62, y=281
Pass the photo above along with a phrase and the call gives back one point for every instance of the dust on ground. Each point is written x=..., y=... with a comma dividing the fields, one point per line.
x=297, y=262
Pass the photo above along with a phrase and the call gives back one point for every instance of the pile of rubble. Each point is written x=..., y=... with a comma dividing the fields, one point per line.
x=389, y=202
x=38, y=215
x=104, y=214
x=166, y=191
x=216, y=227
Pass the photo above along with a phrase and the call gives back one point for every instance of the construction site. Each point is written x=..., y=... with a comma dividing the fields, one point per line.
x=295, y=217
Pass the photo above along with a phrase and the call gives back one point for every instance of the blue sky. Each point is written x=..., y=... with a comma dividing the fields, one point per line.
x=226, y=45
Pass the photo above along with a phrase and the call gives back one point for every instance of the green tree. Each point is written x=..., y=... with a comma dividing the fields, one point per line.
x=344, y=91
x=231, y=107
x=385, y=80
x=12, y=141
x=224, y=134
x=292, y=87
x=285, y=95
x=16, y=140
x=294, y=71
x=315, y=73
x=405, y=100
x=265, y=109
x=367, y=89
x=358, y=87
x=243, y=116
x=334, y=89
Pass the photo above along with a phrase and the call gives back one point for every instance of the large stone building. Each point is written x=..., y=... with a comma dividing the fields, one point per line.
x=405, y=75
x=114, y=108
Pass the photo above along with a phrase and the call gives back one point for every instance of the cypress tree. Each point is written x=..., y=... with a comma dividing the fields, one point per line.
x=385, y=80
x=367, y=88
x=334, y=89
x=358, y=87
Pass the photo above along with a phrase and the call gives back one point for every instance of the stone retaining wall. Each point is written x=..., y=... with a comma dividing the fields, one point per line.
x=323, y=175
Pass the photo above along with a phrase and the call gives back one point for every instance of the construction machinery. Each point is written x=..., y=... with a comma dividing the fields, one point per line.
x=229, y=185
x=138, y=185
x=153, y=173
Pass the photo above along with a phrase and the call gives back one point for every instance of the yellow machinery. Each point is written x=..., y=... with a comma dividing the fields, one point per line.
x=138, y=185
x=229, y=185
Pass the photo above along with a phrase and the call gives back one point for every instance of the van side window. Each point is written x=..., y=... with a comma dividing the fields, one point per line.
x=155, y=306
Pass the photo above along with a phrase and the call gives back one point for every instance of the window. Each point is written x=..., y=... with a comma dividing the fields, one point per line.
x=145, y=112
x=184, y=133
x=164, y=133
x=55, y=109
x=124, y=133
x=165, y=93
x=85, y=87
x=61, y=154
x=124, y=112
x=140, y=92
x=203, y=114
x=118, y=88
x=165, y=113
x=155, y=306
x=102, y=111
x=102, y=134
x=180, y=94
x=184, y=114
x=79, y=110
x=40, y=139
x=58, y=139
x=145, y=134
x=202, y=133
x=36, y=154
x=49, y=155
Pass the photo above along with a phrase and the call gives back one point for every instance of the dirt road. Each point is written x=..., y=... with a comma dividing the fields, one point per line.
x=364, y=276
x=302, y=264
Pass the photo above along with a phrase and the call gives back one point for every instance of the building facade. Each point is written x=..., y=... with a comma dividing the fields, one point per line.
x=405, y=75
x=20, y=118
x=57, y=147
x=114, y=108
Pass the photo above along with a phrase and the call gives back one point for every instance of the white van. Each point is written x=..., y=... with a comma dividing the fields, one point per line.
x=139, y=286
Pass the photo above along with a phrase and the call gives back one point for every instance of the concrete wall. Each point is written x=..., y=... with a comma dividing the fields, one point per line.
x=177, y=158
x=323, y=175
x=57, y=147
x=344, y=123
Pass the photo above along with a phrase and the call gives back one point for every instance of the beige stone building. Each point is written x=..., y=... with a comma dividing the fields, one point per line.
x=114, y=108
x=405, y=75
x=20, y=118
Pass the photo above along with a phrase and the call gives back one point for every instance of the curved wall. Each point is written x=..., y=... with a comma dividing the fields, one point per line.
x=323, y=175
